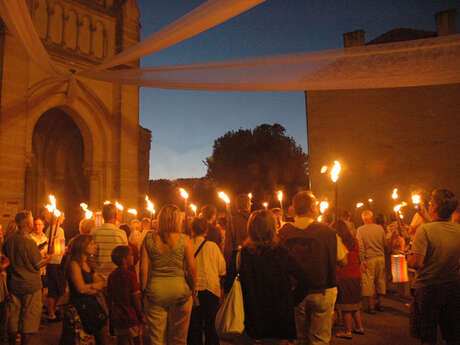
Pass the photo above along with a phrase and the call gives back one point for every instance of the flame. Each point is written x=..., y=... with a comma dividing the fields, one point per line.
x=416, y=199
x=335, y=171
x=319, y=219
x=250, y=196
x=370, y=200
x=280, y=195
x=52, y=206
x=88, y=213
x=133, y=211
x=224, y=197
x=183, y=193
x=193, y=207
x=359, y=204
x=149, y=205
x=323, y=206
x=323, y=169
x=107, y=202
x=265, y=204
x=395, y=194
x=398, y=207
x=119, y=206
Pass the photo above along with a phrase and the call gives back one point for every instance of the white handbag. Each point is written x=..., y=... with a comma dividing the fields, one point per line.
x=230, y=317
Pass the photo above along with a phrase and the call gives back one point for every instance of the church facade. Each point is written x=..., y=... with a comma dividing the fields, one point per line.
x=79, y=140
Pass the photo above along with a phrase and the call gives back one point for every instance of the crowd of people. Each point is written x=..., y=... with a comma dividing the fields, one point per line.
x=163, y=280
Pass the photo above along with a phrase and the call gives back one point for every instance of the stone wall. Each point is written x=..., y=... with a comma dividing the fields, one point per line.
x=405, y=137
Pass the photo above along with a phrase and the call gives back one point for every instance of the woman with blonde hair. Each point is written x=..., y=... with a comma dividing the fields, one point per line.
x=267, y=273
x=167, y=296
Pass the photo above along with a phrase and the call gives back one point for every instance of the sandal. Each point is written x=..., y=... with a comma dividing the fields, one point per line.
x=358, y=331
x=344, y=335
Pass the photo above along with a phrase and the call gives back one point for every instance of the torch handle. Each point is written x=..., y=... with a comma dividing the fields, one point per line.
x=50, y=235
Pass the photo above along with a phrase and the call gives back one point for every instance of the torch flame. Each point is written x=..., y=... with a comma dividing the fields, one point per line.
x=149, y=205
x=398, y=207
x=323, y=206
x=335, y=171
x=370, y=200
x=395, y=194
x=224, y=197
x=280, y=195
x=183, y=193
x=193, y=207
x=250, y=196
x=107, y=202
x=319, y=219
x=133, y=211
x=52, y=207
x=119, y=206
x=265, y=204
x=88, y=213
x=359, y=204
x=416, y=199
x=323, y=169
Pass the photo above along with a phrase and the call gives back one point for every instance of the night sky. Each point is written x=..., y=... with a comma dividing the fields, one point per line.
x=184, y=124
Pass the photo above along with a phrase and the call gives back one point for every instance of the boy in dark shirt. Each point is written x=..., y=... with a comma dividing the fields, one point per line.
x=124, y=299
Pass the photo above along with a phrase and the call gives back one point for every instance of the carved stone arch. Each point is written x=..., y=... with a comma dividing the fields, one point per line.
x=56, y=22
x=99, y=39
x=71, y=29
x=84, y=34
x=94, y=129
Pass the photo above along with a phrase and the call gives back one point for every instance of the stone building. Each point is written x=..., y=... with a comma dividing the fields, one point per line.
x=385, y=138
x=79, y=140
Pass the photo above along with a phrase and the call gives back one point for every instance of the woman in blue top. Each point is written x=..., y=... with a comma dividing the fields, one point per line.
x=167, y=296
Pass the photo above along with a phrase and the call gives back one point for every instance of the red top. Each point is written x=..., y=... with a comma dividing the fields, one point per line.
x=122, y=288
x=352, y=269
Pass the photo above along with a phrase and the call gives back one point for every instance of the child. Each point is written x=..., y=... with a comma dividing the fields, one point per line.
x=124, y=298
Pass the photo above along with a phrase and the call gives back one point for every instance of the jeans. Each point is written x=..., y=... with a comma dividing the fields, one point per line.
x=313, y=318
x=204, y=319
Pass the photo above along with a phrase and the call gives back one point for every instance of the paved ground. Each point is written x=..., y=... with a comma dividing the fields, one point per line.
x=390, y=327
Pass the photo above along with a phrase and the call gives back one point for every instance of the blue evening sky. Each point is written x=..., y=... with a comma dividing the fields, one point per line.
x=184, y=124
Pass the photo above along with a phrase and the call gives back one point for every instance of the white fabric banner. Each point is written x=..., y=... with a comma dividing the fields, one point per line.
x=204, y=17
x=431, y=61
x=422, y=62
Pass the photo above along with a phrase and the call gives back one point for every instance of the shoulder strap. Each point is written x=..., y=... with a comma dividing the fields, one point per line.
x=199, y=248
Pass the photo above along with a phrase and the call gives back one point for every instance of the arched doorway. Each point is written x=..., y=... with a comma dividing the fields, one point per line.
x=57, y=167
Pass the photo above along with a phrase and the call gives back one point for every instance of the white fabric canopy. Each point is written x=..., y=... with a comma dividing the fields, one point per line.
x=421, y=62
x=17, y=18
x=432, y=61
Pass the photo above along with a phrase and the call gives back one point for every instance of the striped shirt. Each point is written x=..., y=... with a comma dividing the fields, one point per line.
x=107, y=237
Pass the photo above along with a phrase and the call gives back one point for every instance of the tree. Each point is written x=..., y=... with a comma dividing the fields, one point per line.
x=260, y=161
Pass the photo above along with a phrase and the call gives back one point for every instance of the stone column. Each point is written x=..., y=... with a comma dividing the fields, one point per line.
x=94, y=175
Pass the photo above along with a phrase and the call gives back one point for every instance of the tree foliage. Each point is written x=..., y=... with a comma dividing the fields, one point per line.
x=260, y=161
